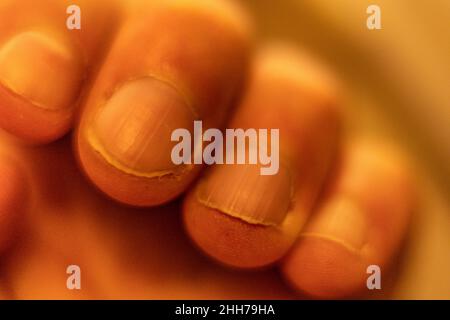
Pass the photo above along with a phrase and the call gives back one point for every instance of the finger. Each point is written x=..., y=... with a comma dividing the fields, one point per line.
x=360, y=223
x=35, y=271
x=176, y=62
x=12, y=200
x=46, y=239
x=43, y=64
x=243, y=218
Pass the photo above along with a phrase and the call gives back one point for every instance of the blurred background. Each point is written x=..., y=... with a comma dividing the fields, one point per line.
x=397, y=88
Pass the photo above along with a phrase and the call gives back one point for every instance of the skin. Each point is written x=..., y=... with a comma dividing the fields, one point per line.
x=72, y=196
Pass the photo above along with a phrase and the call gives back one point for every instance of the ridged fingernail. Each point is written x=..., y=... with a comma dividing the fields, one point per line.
x=242, y=192
x=41, y=70
x=133, y=129
x=341, y=220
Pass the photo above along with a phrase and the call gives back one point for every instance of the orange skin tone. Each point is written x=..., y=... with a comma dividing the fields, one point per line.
x=64, y=202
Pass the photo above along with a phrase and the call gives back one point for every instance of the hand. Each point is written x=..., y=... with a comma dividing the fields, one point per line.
x=134, y=73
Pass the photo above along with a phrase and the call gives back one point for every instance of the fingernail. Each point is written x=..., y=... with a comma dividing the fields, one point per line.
x=242, y=192
x=343, y=221
x=133, y=129
x=41, y=70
